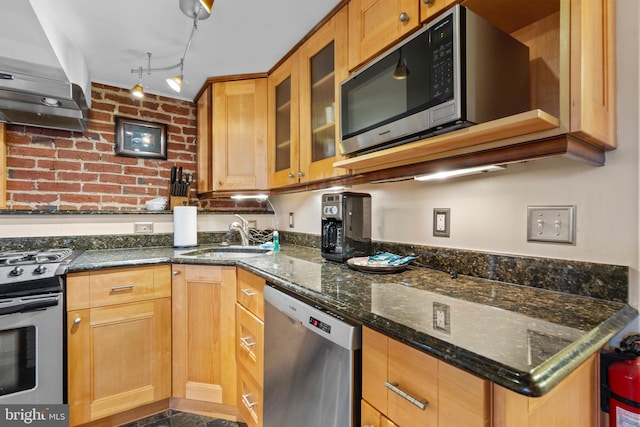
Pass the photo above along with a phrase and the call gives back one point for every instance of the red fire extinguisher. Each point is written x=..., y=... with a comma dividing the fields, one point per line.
x=621, y=383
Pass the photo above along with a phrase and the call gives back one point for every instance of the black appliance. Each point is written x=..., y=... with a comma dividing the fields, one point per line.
x=346, y=226
x=457, y=71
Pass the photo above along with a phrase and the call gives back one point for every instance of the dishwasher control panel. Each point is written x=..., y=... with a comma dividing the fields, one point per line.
x=320, y=324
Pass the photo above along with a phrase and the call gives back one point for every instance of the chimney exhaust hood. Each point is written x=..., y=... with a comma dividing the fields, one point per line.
x=44, y=81
x=33, y=95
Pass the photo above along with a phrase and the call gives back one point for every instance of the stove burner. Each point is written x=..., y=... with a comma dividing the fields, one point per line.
x=33, y=257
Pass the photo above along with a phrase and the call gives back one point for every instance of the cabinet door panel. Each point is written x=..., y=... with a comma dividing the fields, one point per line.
x=239, y=135
x=463, y=398
x=283, y=126
x=374, y=368
x=203, y=313
x=416, y=374
x=375, y=25
x=323, y=65
x=119, y=358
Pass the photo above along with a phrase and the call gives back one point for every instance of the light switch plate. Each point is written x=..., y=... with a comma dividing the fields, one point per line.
x=554, y=224
x=441, y=222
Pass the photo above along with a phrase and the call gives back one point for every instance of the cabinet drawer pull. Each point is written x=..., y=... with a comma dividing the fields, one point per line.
x=122, y=288
x=247, y=403
x=420, y=403
x=404, y=17
x=247, y=341
x=247, y=292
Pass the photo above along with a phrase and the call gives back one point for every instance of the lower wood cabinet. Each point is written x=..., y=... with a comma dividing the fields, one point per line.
x=118, y=340
x=371, y=417
x=572, y=403
x=203, y=313
x=411, y=388
x=250, y=346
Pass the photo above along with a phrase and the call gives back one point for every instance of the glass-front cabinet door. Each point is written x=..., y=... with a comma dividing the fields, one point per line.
x=303, y=108
x=283, y=97
x=323, y=65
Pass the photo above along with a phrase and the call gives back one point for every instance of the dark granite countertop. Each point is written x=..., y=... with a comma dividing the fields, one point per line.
x=523, y=338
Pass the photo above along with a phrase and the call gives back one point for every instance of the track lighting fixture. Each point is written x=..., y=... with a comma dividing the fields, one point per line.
x=194, y=9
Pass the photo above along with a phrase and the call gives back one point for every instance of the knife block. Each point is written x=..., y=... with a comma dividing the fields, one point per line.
x=177, y=200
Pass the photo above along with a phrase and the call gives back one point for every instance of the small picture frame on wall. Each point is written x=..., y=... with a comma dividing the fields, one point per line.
x=139, y=138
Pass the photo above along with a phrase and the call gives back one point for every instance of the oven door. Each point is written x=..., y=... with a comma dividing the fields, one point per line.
x=31, y=340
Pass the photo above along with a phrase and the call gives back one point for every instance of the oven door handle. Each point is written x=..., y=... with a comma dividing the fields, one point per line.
x=25, y=306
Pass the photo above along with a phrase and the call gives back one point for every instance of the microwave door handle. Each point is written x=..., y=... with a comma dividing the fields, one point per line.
x=29, y=305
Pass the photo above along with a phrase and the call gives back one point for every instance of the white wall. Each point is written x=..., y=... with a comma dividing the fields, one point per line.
x=488, y=212
x=16, y=226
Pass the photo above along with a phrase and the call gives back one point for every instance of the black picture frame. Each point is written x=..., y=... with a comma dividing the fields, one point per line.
x=139, y=138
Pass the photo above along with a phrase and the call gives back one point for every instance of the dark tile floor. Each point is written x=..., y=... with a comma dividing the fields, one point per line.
x=171, y=418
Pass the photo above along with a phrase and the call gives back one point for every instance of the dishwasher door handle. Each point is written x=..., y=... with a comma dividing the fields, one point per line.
x=420, y=403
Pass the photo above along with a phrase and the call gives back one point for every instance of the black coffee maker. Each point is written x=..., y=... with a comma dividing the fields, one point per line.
x=346, y=226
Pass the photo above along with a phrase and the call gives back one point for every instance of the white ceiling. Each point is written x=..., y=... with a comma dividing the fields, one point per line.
x=114, y=36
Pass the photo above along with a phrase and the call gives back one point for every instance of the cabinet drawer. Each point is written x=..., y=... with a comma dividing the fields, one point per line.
x=251, y=292
x=250, y=343
x=415, y=373
x=251, y=399
x=393, y=374
x=117, y=286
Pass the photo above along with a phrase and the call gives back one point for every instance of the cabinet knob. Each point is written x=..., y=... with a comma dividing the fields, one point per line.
x=427, y=1
x=403, y=17
x=175, y=272
x=77, y=320
x=301, y=174
x=290, y=175
x=218, y=183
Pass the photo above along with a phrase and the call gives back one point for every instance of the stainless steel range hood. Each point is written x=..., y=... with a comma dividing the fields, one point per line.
x=44, y=80
x=33, y=95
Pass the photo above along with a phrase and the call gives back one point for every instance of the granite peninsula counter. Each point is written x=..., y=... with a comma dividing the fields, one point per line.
x=522, y=338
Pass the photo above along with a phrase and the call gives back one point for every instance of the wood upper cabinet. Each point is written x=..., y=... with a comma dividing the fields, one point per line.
x=412, y=388
x=118, y=340
x=430, y=8
x=240, y=135
x=572, y=86
x=304, y=107
x=203, y=314
x=232, y=136
x=283, y=125
x=204, y=149
x=375, y=25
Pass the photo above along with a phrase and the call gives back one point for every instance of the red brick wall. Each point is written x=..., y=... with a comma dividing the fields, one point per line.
x=55, y=169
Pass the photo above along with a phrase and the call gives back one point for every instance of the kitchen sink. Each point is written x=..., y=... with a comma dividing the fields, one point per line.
x=228, y=251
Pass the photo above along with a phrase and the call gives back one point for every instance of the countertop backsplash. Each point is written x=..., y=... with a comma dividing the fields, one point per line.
x=603, y=281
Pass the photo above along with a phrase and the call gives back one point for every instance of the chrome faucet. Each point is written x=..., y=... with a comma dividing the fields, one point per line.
x=243, y=228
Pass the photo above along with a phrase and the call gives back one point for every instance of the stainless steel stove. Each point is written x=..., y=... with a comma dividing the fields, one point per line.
x=31, y=325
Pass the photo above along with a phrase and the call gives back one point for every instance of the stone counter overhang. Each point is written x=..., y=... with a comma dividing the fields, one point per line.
x=522, y=338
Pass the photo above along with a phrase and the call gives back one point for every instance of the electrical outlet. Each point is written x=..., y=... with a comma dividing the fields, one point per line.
x=441, y=222
x=441, y=318
x=143, y=227
x=291, y=220
x=253, y=223
x=554, y=224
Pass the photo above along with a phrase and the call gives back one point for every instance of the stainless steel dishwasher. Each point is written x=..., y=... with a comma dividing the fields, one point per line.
x=311, y=365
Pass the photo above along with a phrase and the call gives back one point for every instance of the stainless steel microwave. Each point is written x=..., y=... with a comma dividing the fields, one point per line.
x=457, y=71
